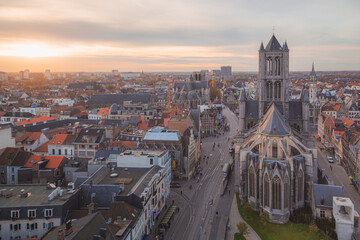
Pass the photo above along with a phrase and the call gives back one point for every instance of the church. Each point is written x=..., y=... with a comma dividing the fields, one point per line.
x=277, y=158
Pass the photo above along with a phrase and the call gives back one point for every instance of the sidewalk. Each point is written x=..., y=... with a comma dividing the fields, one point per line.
x=235, y=218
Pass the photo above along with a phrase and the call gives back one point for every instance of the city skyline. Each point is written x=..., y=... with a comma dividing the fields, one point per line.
x=176, y=36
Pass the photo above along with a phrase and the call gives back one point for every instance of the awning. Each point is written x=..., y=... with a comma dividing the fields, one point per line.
x=168, y=215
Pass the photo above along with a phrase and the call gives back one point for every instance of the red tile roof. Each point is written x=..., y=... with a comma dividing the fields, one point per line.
x=30, y=136
x=35, y=120
x=143, y=126
x=53, y=161
x=43, y=148
x=347, y=122
x=336, y=107
x=103, y=111
x=59, y=139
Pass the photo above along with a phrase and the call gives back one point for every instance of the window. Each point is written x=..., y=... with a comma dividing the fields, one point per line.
x=32, y=213
x=266, y=191
x=65, y=151
x=322, y=213
x=48, y=212
x=286, y=192
x=53, y=151
x=90, y=153
x=252, y=182
x=276, y=192
x=59, y=151
x=50, y=225
x=151, y=161
x=300, y=186
x=15, y=227
x=15, y=213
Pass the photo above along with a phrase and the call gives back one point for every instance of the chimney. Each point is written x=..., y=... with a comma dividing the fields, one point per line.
x=103, y=232
x=68, y=229
x=61, y=235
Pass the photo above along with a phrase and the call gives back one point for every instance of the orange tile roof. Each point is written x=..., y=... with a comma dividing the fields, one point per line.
x=43, y=148
x=59, y=139
x=347, y=122
x=53, y=161
x=125, y=144
x=103, y=111
x=35, y=120
x=29, y=136
x=336, y=107
x=142, y=126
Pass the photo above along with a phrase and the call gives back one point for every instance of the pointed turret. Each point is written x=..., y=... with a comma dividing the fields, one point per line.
x=286, y=47
x=242, y=97
x=262, y=47
x=313, y=68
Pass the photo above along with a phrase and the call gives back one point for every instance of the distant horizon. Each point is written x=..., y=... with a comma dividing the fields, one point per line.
x=175, y=36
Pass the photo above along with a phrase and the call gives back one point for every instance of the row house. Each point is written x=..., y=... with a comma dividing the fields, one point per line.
x=15, y=117
x=29, y=211
x=31, y=140
x=11, y=160
x=62, y=145
x=88, y=141
x=42, y=169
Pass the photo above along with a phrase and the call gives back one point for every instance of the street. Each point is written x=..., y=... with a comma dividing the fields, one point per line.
x=339, y=177
x=196, y=213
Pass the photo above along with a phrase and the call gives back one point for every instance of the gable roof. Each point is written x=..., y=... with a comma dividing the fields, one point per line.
x=53, y=161
x=274, y=123
x=29, y=136
x=62, y=139
x=35, y=120
x=43, y=148
x=324, y=194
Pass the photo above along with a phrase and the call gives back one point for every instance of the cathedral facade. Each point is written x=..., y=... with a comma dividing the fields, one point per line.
x=276, y=163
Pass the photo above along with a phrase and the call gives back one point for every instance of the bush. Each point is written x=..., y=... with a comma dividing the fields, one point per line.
x=302, y=215
x=242, y=228
x=327, y=226
x=238, y=236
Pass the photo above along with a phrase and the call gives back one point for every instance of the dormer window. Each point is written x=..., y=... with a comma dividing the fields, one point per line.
x=48, y=212
x=15, y=213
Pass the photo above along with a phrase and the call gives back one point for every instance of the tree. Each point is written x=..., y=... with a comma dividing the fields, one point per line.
x=214, y=92
x=242, y=228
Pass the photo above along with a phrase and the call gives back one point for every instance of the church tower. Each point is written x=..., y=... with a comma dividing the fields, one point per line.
x=273, y=81
x=313, y=86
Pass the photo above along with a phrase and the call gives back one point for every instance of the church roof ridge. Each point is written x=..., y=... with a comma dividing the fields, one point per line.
x=274, y=123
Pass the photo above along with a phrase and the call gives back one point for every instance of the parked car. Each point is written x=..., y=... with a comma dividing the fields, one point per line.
x=175, y=185
x=330, y=159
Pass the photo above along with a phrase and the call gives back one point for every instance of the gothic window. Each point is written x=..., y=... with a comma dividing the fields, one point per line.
x=276, y=193
x=271, y=90
x=274, y=149
x=267, y=90
x=300, y=186
x=286, y=192
x=252, y=182
x=267, y=191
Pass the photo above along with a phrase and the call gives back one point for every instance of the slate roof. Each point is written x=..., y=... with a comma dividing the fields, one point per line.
x=324, y=194
x=273, y=45
x=144, y=182
x=194, y=115
x=274, y=123
x=109, y=99
x=295, y=110
x=191, y=85
x=82, y=229
x=252, y=109
x=92, y=132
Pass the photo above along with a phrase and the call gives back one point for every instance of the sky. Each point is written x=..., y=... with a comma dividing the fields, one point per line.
x=175, y=35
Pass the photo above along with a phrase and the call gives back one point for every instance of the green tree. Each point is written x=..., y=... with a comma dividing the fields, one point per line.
x=242, y=228
x=214, y=92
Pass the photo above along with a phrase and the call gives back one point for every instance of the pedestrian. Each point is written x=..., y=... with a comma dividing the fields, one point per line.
x=181, y=192
x=330, y=167
x=229, y=191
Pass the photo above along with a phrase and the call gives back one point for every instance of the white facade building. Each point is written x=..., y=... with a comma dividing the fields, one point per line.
x=64, y=102
x=6, y=140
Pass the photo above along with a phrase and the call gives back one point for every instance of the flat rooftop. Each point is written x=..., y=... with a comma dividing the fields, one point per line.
x=37, y=195
x=138, y=153
x=126, y=178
